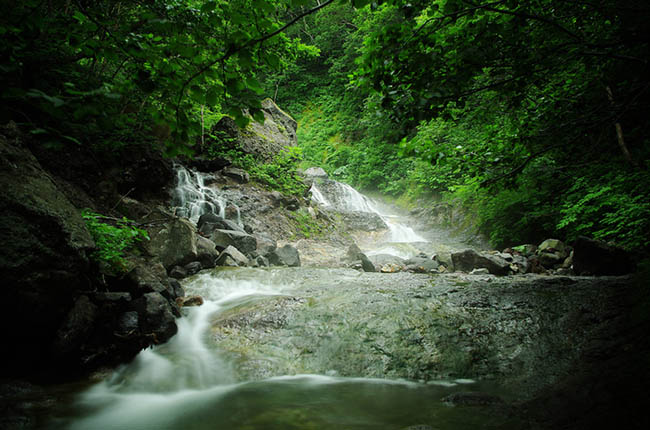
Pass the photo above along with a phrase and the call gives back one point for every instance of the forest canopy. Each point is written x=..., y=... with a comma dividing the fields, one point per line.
x=532, y=115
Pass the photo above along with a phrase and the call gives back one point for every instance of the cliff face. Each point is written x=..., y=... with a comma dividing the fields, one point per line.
x=264, y=141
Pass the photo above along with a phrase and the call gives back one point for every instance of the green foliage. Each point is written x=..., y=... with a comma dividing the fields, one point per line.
x=112, y=241
x=610, y=207
x=307, y=225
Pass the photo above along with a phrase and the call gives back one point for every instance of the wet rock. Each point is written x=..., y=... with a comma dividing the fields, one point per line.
x=244, y=242
x=156, y=317
x=238, y=175
x=444, y=259
x=76, y=328
x=366, y=264
x=552, y=246
x=421, y=265
x=519, y=264
x=364, y=221
x=193, y=268
x=469, y=260
x=285, y=256
x=232, y=257
x=43, y=257
x=175, y=244
x=208, y=223
x=147, y=276
x=128, y=323
x=232, y=212
x=594, y=257
x=391, y=268
x=184, y=302
x=178, y=272
x=207, y=252
x=176, y=287
x=472, y=398
x=262, y=261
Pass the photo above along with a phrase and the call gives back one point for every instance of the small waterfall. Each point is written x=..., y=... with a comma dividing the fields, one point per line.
x=345, y=198
x=192, y=198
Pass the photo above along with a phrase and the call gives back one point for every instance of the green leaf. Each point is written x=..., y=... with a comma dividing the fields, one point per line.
x=211, y=96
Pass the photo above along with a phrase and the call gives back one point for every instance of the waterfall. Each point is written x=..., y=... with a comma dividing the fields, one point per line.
x=192, y=198
x=345, y=198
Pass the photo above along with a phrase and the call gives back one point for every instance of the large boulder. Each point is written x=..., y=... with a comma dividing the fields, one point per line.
x=156, y=317
x=244, y=242
x=207, y=252
x=551, y=253
x=76, y=328
x=43, y=257
x=148, y=276
x=285, y=256
x=469, y=259
x=265, y=140
x=594, y=257
x=210, y=222
x=175, y=244
x=232, y=257
x=364, y=221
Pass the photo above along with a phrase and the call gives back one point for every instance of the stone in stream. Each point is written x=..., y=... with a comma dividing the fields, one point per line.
x=286, y=255
x=421, y=265
x=210, y=222
x=244, y=242
x=354, y=254
x=207, y=252
x=189, y=301
x=156, y=317
x=469, y=260
x=175, y=244
x=232, y=257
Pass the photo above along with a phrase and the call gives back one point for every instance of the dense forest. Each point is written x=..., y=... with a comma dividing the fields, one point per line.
x=530, y=115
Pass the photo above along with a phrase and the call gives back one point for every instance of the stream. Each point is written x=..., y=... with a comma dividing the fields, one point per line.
x=294, y=348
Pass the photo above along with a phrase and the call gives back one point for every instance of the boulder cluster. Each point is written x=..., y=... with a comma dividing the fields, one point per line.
x=586, y=257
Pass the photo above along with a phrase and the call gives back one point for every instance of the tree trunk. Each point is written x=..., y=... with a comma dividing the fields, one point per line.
x=619, y=130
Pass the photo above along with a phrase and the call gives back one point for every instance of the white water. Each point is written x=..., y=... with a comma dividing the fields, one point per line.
x=193, y=198
x=347, y=198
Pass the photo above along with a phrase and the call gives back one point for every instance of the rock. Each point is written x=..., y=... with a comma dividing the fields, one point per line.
x=238, y=175
x=232, y=213
x=265, y=140
x=193, y=268
x=177, y=288
x=353, y=252
x=178, y=272
x=208, y=223
x=207, y=252
x=469, y=260
x=472, y=398
x=387, y=259
x=550, y=259
x=444, y=259
x=568, y=262
x=391, y=268
x=519, y=264
x=421, y=265
x=316, y=172
x=265, y=245
x=244, y=242
x=232, y=257
x=128, y=323
x=148, y=275
x=364, y=221
x=286, y=255
x=43, y=257
x=175, y=244
x=76, y=328
x=366, y=264
x=594, y=257
x=202, y=164
x=551, y=245
x=156, y=317
x=262, y=261
x=189, y=301
x=481, y=271
x=526, y=250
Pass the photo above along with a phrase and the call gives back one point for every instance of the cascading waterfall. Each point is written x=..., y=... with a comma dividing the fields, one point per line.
x=192, y=198
x=345, y=198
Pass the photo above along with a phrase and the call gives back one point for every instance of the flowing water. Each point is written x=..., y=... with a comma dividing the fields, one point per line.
x=211, y=375
x=195, y=381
